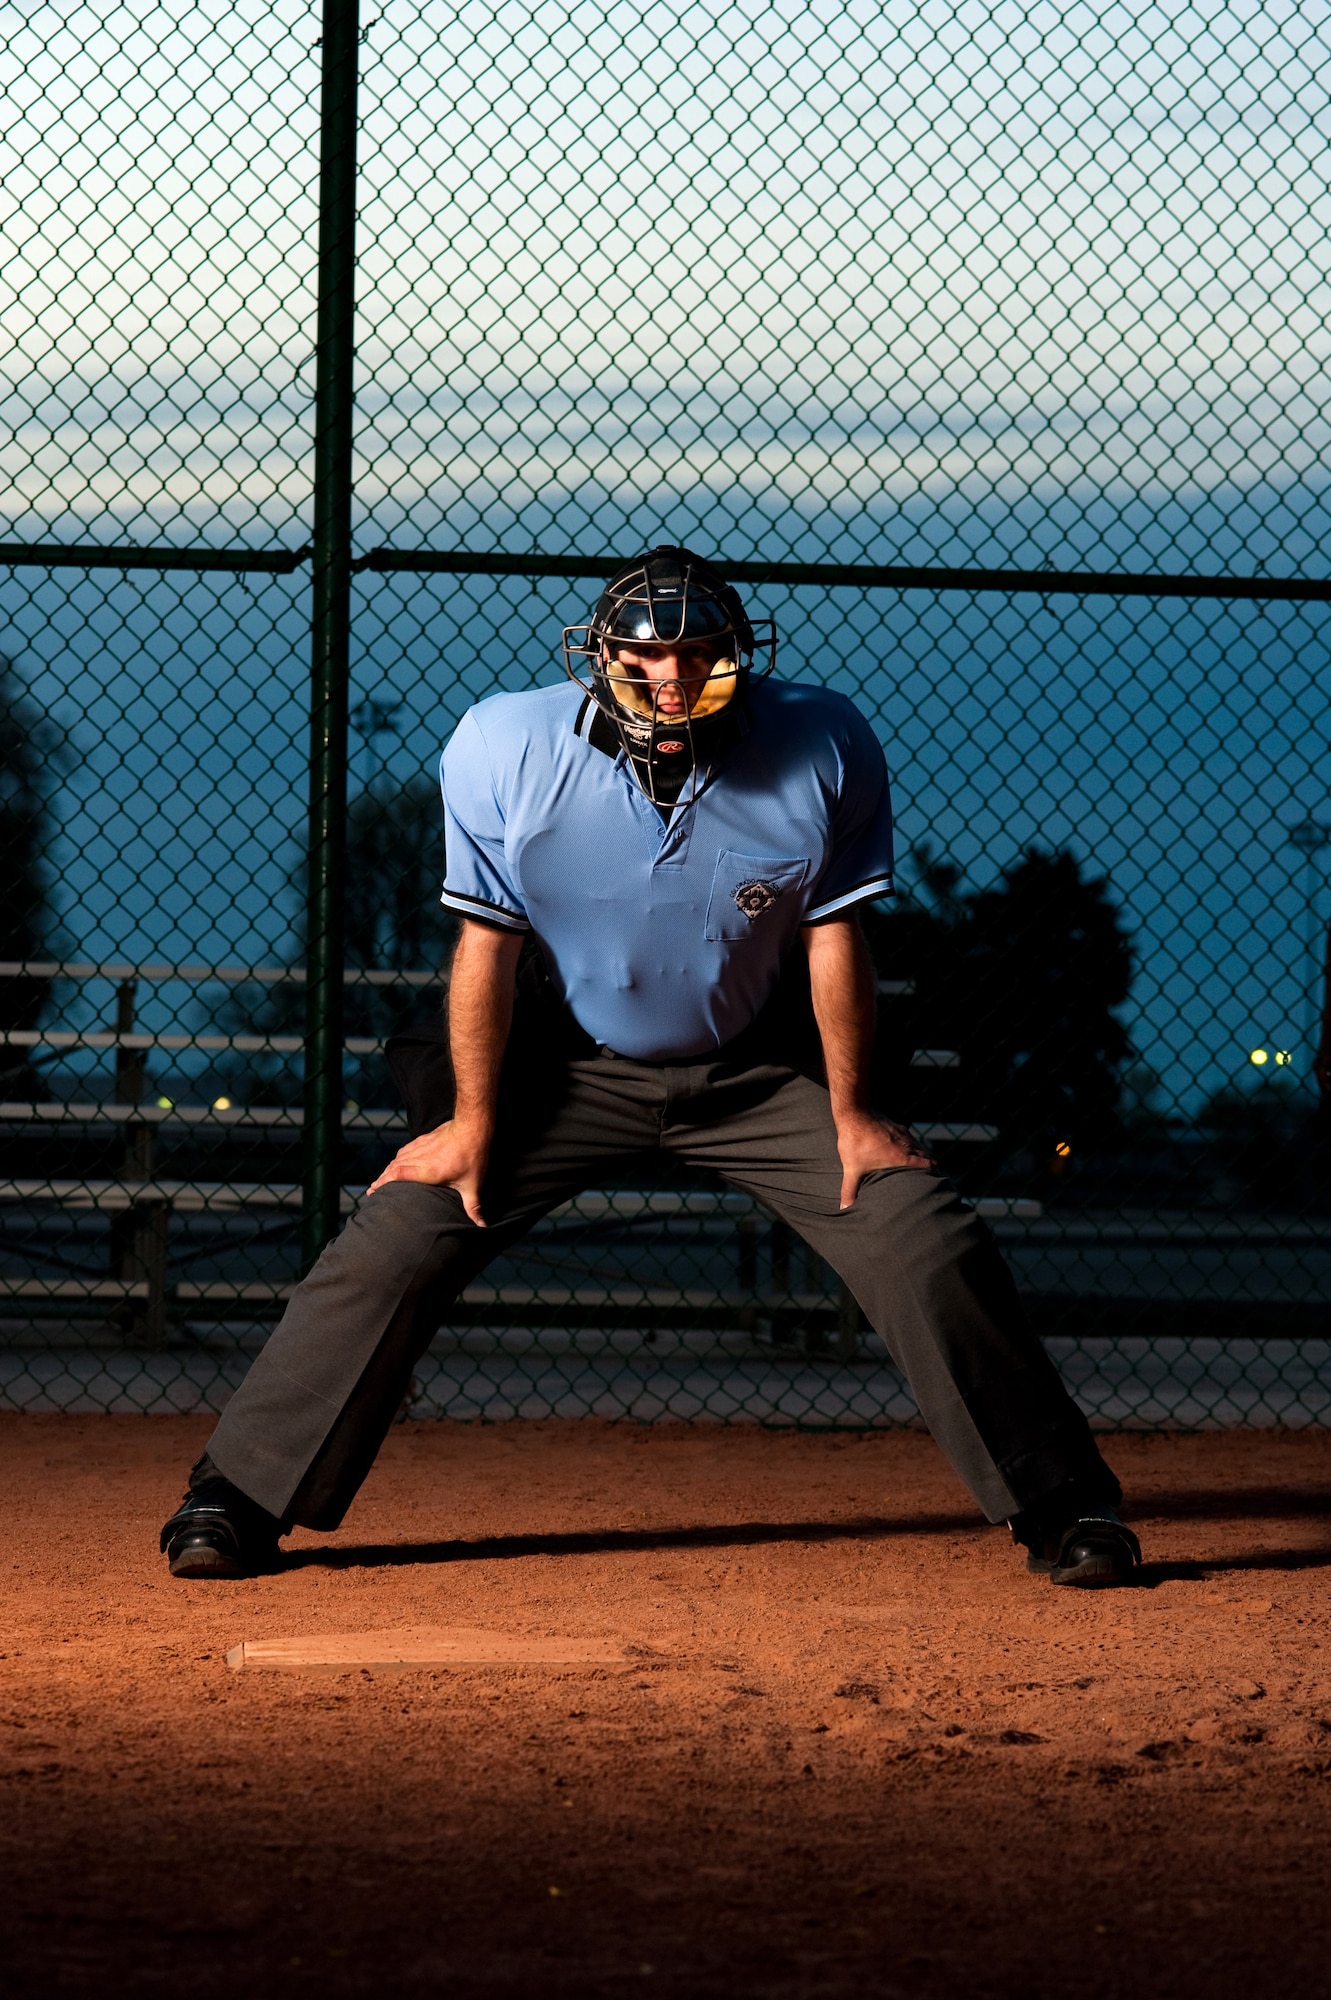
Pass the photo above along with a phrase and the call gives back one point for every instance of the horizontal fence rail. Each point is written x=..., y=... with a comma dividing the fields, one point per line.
x=824, y=576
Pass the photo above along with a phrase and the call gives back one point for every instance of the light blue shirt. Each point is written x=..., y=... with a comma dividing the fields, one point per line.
x=664, y=939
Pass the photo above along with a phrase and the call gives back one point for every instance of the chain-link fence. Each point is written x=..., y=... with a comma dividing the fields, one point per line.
x=986, y=344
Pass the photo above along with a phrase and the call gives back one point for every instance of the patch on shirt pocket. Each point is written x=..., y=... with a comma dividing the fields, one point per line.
x=746, y=890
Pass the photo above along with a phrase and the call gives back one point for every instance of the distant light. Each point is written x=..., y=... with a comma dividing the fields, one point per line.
x=165, y=1104
x=1063, y=1150
x=1259, y=1056
x=1283, y=1057
x=224, y=1103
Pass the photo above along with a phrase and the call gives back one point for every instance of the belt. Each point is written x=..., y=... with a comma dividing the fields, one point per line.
x=662, y=1062
x=751, y=1045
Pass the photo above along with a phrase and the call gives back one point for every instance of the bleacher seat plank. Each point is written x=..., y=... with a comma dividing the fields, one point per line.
x=259, y=1117
x=74, y=1289
x=107, y=1038
x=267, y=975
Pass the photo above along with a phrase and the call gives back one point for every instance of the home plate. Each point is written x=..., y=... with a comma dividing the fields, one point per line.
x=444, y=1646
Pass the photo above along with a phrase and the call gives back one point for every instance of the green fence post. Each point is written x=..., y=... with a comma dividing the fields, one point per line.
x=330, y=621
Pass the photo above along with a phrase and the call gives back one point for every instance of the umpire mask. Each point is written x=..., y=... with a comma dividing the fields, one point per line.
x=669, y=648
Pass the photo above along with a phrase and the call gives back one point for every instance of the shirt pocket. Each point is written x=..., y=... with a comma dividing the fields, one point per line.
x=749, y=892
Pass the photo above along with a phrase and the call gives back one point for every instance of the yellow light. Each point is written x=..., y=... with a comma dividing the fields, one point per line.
x=1258, y=1056
x=221, y=1104
x=1283, y=1058
x=1063, y=1149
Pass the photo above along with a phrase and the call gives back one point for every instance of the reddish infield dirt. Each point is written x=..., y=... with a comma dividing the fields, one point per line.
x=860, y=1751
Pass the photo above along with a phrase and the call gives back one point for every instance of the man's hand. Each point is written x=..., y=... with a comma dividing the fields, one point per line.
x=866, y=1141
x=453, y=1155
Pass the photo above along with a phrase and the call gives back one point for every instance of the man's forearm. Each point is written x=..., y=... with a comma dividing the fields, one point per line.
x=480, y=1016
x=845, y=1005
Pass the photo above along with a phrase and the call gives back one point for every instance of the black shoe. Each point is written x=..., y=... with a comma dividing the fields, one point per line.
x=218, y=1531
x=1093, y=1550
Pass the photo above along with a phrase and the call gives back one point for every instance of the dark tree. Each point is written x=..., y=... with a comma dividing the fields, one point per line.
x=1048, y=961
x=32, y=759
x=394, y=921
x=395, y=870
x=1022, y=979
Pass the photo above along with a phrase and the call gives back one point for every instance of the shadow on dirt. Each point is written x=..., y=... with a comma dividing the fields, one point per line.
x=1240, y=1504
x=1233, y=1503
x=1255, y=1560
x=611, y=1541
x=1277, y=1559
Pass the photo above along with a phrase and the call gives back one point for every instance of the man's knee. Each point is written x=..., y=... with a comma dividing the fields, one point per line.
x=897, y=1200
x=402, y=1214
x=911, y=1228
x=381, y=1253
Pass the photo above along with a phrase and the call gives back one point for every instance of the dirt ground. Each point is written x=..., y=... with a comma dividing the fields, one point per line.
x=860, y=1751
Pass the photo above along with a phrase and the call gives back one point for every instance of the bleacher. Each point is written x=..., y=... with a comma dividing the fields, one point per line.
x=139, y=1293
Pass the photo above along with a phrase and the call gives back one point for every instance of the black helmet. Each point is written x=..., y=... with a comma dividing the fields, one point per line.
x=667, y=598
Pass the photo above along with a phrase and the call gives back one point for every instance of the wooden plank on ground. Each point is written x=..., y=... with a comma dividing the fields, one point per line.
x=448, y=1646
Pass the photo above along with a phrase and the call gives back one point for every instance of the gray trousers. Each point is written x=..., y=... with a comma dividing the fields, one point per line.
x=304, y=1427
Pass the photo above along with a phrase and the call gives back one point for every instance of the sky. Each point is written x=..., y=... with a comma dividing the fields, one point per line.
x=966, y=283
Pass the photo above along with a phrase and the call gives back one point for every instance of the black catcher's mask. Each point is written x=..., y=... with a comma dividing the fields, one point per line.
x=677, y=602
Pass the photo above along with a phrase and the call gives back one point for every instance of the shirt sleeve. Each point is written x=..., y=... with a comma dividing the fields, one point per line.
x=859, y=868
x=477, y=881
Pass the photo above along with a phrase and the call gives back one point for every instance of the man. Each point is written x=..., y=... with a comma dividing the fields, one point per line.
x=673, y=830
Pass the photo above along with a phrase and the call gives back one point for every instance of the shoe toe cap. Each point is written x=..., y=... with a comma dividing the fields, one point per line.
x=1095, y=1559
x=204, y=1553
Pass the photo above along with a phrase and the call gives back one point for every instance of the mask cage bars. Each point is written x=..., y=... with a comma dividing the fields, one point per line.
x=590, y=643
